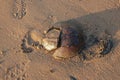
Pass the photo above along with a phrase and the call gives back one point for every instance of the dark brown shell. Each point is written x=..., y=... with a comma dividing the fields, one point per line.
x=71, y=38
x=71, y=43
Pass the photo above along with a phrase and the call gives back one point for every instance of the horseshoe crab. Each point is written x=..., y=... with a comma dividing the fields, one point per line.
x=65, y=41
x=70, y=43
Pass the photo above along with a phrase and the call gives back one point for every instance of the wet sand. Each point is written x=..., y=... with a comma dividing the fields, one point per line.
x=17, y=17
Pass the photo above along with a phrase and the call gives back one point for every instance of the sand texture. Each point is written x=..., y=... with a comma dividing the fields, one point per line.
x=17, y=17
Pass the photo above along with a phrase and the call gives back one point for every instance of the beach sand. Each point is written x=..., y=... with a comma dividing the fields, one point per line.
x=17, y=17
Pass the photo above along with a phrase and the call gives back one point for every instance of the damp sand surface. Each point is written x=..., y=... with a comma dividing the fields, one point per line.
x=17, y=17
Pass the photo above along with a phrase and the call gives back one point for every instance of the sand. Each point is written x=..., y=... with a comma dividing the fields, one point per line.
x=17, y=17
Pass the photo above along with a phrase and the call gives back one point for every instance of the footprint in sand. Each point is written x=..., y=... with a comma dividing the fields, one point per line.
x=19, y=9
x=17, y=72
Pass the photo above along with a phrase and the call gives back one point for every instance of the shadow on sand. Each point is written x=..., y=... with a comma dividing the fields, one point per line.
x=99, y=24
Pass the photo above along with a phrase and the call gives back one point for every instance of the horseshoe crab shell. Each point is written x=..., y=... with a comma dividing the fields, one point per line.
x=51, y=40
x=71, y=43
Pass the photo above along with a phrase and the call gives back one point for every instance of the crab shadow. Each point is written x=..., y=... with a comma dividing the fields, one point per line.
x=99, y=24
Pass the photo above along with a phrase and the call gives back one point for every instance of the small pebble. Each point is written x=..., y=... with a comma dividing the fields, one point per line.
x=52, y=70
x=72, y=78
x=1, y=52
